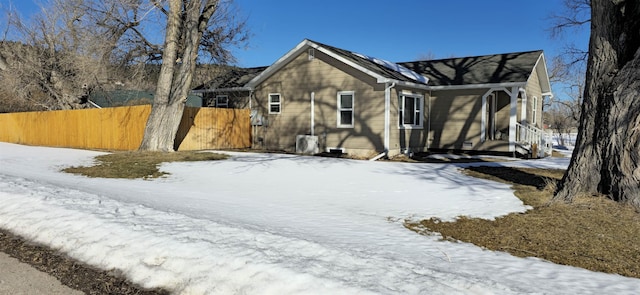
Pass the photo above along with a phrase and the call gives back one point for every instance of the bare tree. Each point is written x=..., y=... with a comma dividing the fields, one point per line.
x=570, y=66
x=75, y=46
x=574, y=18
x=606, y=159
x=428, y=55
x=562, y=112
x=191, y=25
x=561, y=118
x=48, y=65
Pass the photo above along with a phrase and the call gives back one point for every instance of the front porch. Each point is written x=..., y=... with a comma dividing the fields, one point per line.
x=502, y=130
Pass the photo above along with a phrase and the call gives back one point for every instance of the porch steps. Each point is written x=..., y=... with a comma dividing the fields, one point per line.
x=532, y=142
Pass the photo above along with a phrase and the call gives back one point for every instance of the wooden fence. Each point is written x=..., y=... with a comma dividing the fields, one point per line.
x=122, y=128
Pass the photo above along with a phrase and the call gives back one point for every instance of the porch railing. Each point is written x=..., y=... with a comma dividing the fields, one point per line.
x=527, y=136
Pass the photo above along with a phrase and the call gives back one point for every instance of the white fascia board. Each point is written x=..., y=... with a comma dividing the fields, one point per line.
x=474, y=86
x=293, y=53
x=209, y=90
x=281, y=62
x=543, y=75
x=411, y=85
x=379, y=78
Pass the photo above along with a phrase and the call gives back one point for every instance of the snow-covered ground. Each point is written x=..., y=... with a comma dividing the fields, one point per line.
x=564, y=141
x=279, y=224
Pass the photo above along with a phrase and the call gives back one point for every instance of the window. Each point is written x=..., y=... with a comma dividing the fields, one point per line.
x=410, y=111
x=345, y=109
x=222, y=101
x=534, y=110
x=275, y=103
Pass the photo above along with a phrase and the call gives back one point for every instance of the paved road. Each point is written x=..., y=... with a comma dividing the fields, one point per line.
x=17, y=278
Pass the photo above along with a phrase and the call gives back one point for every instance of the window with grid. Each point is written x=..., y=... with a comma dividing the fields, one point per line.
x=410, y=111
x=222, y=101
x=275, y=103
x=345, y=109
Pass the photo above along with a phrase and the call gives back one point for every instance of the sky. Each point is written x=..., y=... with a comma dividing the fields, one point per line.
x=401, y=30
x=393, y=30
x=280, y=224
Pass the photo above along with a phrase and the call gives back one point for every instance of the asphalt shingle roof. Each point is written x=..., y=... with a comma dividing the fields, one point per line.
x=368, y=64
x=232, y=78
x=485, y=69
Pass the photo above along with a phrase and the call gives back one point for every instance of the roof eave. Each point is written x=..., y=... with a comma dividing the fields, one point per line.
x=230, y=89
x=543, y=75
x=475, y=86
x=407, y=84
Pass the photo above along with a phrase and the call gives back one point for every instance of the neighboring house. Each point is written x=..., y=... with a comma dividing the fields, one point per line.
x=322, y=98
x=118, y=98
x=228, y=90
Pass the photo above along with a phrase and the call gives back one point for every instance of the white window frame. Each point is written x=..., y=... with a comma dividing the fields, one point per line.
x=534, y=110
x=272, y=103
x=219, y=104
x=418, y=112
x=341, y=109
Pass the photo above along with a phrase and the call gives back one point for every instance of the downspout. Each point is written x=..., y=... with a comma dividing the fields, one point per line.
x=254, y=131
x=313, y=122
x=387, y=120
x=429, y=123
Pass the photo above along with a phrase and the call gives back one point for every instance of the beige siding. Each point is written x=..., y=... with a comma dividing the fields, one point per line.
x=456, y=118
x=503, y=112
x=325, y=77
x=412, y=139
x=533, y=90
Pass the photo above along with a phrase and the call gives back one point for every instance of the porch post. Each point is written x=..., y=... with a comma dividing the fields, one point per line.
x=483, y=124
x=513, y=120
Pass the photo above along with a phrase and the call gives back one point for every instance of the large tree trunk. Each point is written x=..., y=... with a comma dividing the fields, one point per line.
x=607, y=154
x=185, y=25
x=159, y=132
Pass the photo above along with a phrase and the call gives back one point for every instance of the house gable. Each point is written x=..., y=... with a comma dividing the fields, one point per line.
x=382, y=71
x=322, y=79
x=543, y=76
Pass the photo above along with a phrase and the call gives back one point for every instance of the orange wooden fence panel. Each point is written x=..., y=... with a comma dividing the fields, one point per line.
x=122, y=128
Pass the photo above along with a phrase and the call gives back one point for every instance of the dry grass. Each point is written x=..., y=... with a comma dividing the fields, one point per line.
x=139, y=164
x=593, y=233
x=69, y=272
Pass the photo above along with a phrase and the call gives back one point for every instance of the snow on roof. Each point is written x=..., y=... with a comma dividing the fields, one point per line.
x=395, y=67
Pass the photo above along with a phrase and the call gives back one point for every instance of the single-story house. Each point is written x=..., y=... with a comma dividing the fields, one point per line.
x=228, y=89
x=319, y=98
x=121, y=97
